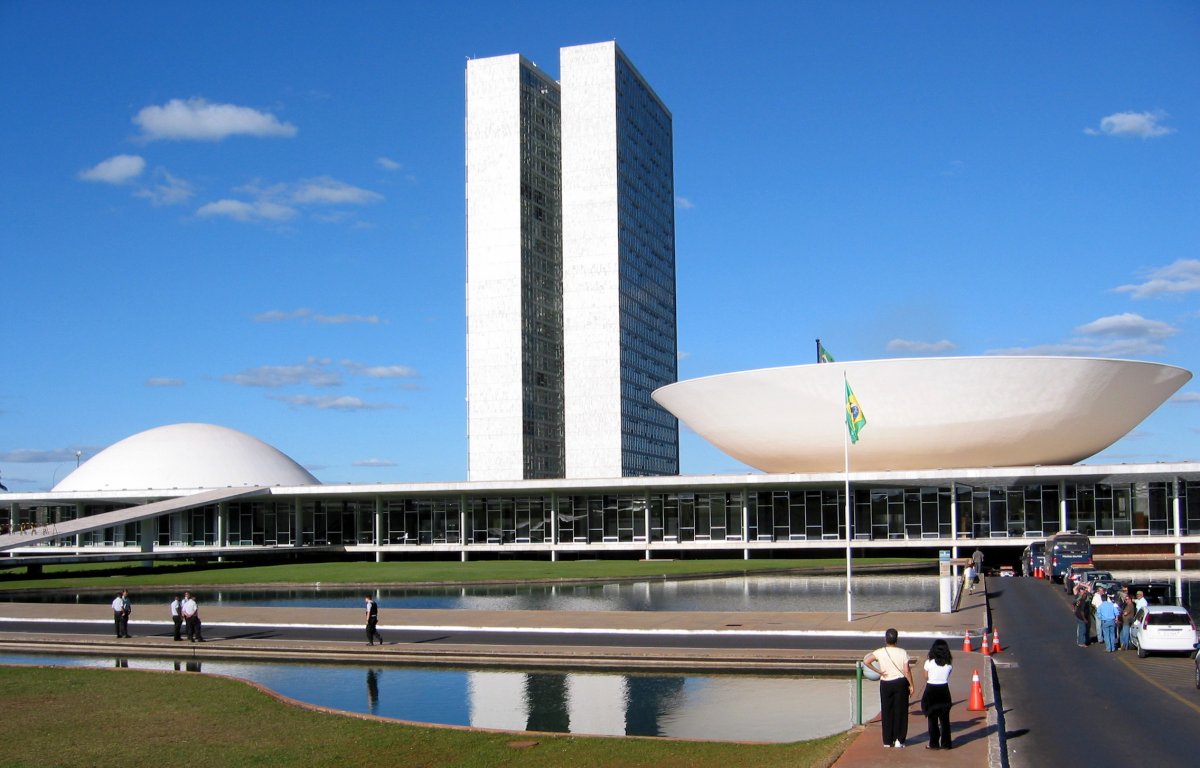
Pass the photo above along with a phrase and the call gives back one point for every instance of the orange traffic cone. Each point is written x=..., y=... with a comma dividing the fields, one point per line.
x=975, y=704
x=966, y=641
x=984, y=648
x=996, y=641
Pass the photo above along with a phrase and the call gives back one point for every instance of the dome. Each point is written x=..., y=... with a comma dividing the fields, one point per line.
x=186, y=456
x=928, y=413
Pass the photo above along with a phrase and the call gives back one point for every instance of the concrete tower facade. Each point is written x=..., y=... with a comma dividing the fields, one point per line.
x=570, y=269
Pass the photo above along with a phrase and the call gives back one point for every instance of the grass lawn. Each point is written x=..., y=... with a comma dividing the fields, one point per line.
x=192, y=575
x=130, y=718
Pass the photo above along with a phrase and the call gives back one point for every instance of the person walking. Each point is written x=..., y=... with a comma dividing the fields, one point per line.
x=177, y=618
x=191, y=617
x=935, y=699
x=970, y=577
x=372, y=621
x=895, y=687
x=121, y=610
x=977, y=561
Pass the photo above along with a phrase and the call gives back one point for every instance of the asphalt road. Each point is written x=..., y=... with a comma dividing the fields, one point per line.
x=1068, y=706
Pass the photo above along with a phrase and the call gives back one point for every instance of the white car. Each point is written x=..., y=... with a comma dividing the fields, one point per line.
x=1163, y=628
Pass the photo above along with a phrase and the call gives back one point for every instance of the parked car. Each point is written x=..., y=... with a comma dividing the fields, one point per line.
x=1163, y=629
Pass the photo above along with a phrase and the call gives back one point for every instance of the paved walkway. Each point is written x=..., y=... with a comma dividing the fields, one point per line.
x=975, y=733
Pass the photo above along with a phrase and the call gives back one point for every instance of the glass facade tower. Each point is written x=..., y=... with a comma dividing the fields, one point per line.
x=571, y=319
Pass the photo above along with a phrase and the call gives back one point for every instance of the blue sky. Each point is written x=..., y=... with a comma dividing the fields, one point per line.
x=251, y=214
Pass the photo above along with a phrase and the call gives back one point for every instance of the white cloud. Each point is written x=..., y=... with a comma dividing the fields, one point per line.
x=327, y=191
x=388, y=164
x=198, y=120
x=313, y=373
x=683, y=204
x=168, y=189
x=240, y=210
x=1128, y=325
x=1183, y=276
x=330, y=402
x=1119, y=336
x=380, y=371
x=52, y=456
x=118, y=169
x=1143, y=125
x=375, y=463
x=1186, y=397
x=164, y=381
x=277, y=315
x=907, y=345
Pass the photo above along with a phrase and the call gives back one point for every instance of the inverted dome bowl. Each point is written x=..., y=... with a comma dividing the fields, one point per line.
x=927, y=413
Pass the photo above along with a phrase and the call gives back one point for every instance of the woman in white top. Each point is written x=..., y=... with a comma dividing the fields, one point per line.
x=936, y=700
x=895, y=687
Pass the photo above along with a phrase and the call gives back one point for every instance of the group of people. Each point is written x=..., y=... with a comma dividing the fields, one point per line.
x=185, y=612
x=896, y=688
x=1103, y=617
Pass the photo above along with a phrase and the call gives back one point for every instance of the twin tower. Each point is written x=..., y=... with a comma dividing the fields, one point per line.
x=571, y=320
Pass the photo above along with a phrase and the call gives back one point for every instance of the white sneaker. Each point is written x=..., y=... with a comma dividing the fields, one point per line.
x=898, y=745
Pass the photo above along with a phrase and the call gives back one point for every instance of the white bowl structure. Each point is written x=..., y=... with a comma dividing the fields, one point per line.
x=186, y=456
x=927, y=413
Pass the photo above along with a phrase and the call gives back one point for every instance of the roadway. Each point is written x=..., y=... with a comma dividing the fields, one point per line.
x=1065, y=705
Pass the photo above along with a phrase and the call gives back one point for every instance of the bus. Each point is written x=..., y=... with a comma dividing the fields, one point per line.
x=1033, y=557
x=1063, y=550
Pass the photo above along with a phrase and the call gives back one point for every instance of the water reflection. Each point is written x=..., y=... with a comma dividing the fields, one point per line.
x=740, y=593
x=730, y=708
x=373, y=690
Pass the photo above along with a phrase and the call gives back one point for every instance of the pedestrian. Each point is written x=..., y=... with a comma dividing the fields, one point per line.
x=895, y=687
x=977, y=561
x=177, y=618
x=1141, y=603
x=935, y=699
x=1107, y=614
x=1128, y=614
x=969, y=577
x=191, y=617
x=121, y=610
x=372, y=621
x=1083, y=613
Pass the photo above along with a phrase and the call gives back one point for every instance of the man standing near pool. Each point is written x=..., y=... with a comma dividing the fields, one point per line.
x=372, y=621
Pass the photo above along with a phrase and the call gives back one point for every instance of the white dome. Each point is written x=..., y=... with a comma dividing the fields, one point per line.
x=186, y=456
x=928, y=413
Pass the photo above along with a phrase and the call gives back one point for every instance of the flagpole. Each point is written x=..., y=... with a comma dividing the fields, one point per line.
x=846, y=451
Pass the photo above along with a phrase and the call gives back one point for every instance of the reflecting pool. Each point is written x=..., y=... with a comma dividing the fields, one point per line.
x=739, y=593
x=722, y=708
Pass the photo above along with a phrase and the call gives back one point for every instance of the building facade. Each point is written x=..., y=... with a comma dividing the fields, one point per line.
x=1149, y=507
x=571, y=319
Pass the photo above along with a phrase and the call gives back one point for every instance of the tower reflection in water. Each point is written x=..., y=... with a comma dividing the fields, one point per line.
x=373, y=690
x=754, y=708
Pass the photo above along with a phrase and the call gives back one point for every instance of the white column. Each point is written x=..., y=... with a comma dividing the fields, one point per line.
x=1062, y=505
x=378, y=528
x=746, y=523
x=1177, y=514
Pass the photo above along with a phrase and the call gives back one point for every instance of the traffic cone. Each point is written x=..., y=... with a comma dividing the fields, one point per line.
x=984, y=648
x=975, y=704
x=996, y=641
x=966, y=641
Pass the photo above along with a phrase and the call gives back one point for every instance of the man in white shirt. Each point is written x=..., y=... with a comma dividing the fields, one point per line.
x=191, y=616
x=176, y=617
x=121, y=610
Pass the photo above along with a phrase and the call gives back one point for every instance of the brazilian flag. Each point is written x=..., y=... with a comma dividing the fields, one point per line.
x=855, y=418
x=823, y=355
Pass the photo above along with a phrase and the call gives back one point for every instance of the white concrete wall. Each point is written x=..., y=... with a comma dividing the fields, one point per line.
x=493, y=128
x=591, y=329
